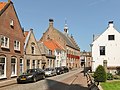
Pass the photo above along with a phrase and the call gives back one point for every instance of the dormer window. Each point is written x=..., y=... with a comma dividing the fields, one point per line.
x=11, y=23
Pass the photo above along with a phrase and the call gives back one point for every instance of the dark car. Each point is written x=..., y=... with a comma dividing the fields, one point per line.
x=65, y=69
x=31, y=75
x=59, y=70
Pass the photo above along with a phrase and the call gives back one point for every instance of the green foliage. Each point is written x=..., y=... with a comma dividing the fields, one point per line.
x=109, y=76
x=100, y=74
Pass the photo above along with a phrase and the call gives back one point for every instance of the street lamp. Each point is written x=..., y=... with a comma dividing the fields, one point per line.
x=84, y=61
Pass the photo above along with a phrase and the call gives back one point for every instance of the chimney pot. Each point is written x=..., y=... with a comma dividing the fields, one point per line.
x=110, y=24
x=51, y=22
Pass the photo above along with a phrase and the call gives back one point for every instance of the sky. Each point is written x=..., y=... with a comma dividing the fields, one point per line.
x=84, y=17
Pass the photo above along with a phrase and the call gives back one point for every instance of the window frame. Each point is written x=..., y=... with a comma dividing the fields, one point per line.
x=4, y=75
x=15, y=66
x=111, y=37
x=4, y=43
x=102, y=50
x=17, y=45
x=21, y=65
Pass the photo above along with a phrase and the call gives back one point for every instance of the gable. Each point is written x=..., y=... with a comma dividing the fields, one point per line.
x=29, y=41
x=104, y=37
x=8, y=15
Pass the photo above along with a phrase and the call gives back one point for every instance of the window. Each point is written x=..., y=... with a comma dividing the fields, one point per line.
x=2, y=67
x=4, y=42
x=50, y=52
x=11, y=23
x=21, y=65
x=38, y=64
x=17, y=45
x=13, y=66
x=102, y=50
x=33, y=64
x=28, y=64
x=111, y=37
x=33, y=49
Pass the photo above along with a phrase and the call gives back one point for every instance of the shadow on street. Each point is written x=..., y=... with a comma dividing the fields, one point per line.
x=55, y=85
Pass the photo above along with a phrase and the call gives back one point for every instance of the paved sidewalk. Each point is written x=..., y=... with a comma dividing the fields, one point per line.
x=4, y=83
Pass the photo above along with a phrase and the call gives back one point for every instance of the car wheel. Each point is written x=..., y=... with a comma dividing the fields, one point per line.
x=34, y=79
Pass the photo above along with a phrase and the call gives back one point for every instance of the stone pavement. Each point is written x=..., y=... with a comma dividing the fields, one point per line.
x=75, y=82
x=4, y=83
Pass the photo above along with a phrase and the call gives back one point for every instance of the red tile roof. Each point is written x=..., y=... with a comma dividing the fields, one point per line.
x=52, y=45
x=2, y=5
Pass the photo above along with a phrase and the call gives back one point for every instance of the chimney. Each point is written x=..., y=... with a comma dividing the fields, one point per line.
x=31, y=29
x=51, y=22
x=110, y=24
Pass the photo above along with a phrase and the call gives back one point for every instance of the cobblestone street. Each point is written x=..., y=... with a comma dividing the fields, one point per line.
x=73, y=80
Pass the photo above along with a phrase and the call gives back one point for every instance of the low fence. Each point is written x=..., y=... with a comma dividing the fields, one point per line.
x=91, y=83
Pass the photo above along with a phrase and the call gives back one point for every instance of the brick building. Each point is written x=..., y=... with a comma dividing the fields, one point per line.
x=66, y=41
x=32, y=54
x=11, y=41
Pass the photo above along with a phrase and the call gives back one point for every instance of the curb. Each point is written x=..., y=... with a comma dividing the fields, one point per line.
x=7, y=82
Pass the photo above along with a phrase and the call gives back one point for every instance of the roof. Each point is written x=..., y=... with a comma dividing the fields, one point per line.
x=2, y=5
x=69, y=40
x=52, y=45
x=27, y=35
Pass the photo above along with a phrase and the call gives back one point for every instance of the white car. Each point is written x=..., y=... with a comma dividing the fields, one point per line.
x=50, y=72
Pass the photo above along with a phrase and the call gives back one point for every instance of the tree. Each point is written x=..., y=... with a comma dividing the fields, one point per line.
x=100, y=74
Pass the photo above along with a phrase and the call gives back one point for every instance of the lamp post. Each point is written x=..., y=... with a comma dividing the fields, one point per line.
x=84, y=60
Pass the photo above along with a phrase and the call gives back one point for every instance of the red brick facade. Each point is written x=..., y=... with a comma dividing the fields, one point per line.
x=69, y=46
x=14, y=32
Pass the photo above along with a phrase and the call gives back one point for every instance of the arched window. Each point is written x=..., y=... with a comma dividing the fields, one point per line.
x=21, y=65
x=13, y=66
x=2, y=66
x=33, y=48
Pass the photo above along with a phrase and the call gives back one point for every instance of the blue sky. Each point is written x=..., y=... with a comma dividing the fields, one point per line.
x=84, y=17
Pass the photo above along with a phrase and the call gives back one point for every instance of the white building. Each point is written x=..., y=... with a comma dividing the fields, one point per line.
x=106, y=47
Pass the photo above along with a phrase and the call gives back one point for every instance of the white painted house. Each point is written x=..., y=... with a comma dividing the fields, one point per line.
x=106, y=47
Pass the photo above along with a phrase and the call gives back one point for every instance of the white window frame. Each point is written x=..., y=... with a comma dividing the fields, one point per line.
x=11, y=23
x=17, y=45
x=15, y=73
x=3, y=76
x=4, y=43
x=28, y=63
x=21, y=66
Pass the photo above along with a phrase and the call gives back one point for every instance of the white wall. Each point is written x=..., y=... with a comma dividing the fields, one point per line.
x=112, y=48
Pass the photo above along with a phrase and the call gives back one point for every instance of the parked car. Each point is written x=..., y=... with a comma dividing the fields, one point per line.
x=65, y=69
x=50, y=72
x=59, y=70
x=31, y=75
